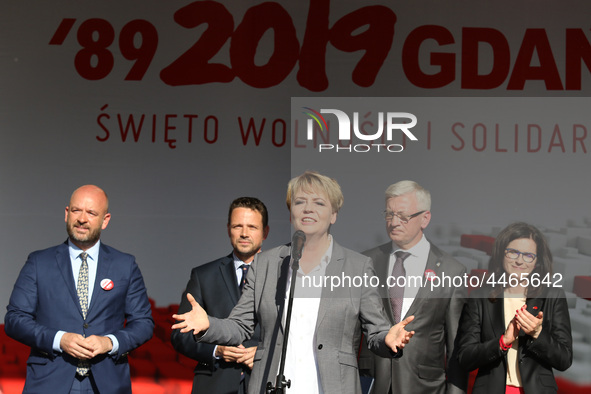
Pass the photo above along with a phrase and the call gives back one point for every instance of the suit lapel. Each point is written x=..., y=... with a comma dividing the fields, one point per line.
x=65, y=266
x=276, y=276
x=334, y=268
x=434, y=264
x=228, y=272
x=496, y=315
x=103, y=267
x=381, y=265
x=282, y=278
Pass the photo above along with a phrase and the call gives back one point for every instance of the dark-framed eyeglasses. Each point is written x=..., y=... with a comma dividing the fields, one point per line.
x=389, y=215
x=513, y=254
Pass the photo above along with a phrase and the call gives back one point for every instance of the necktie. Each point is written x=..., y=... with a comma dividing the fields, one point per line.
x=82, y=290
x=244, y=268
x=397, y=293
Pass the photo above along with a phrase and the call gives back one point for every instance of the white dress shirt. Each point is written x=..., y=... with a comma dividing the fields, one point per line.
x=238, y=269
x=92, y=261
x=414, y=265
x=301, y=366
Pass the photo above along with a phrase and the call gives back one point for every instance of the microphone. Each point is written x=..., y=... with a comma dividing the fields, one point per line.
x=297, y=244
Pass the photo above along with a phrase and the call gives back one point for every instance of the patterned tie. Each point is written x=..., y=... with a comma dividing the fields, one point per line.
x=82, y=290
x=397, y=293
x=244, y=268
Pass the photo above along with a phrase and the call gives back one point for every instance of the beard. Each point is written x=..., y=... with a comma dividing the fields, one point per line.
x=245, y=252
x=86, y=240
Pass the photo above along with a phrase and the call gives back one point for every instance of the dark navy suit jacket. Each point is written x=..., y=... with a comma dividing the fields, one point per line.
x=44, y=301
x=214, y=286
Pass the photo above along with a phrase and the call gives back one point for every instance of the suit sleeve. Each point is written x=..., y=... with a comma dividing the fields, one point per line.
x=373, y=317
x=139, y=325
x=21, y=316
x=184, y=343
x=457, y=377
x=554, y=344
x=366, y=362
x=240, y=325
x=472, y=352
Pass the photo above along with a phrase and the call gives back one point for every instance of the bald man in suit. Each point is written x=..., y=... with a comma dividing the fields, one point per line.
x=81, y=306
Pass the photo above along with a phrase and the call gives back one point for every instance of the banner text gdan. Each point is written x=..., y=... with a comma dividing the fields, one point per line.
x=370, y=29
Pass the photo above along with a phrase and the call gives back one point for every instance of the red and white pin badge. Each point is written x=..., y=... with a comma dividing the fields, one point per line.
x=107, y=284
x=430, y=274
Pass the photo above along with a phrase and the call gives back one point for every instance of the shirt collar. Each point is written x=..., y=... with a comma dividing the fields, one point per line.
x=92, y=251
x=237, y=262
x=420, y=249
x=324, y=260
x=328, y=254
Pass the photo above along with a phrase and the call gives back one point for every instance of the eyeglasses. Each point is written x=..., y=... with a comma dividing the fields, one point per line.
x=513, y=254
x=389, y=215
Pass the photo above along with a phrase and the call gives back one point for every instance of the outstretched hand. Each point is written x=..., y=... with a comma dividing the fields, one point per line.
x=195, y=320
x=398, y=337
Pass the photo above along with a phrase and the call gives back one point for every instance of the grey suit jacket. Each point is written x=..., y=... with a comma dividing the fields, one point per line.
x=342, y=315
x=428, y=357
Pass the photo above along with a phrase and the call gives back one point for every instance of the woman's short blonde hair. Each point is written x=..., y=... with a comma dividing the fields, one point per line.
x=311, y=181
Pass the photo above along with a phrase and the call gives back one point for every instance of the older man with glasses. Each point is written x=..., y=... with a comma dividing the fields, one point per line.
x=428, y=365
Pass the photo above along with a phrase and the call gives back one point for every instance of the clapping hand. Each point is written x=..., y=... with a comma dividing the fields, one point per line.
x=530, y=324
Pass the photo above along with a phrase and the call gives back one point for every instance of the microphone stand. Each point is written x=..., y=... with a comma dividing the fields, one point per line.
x=281, y=383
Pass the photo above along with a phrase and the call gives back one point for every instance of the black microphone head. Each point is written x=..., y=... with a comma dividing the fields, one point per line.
x=297, y=244
x=298, y=236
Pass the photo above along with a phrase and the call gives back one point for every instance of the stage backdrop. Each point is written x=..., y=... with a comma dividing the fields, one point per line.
x=177, y=107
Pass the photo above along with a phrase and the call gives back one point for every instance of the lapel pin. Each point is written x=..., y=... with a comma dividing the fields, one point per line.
x=430, y=274
x=438, y=264
x=107, y=284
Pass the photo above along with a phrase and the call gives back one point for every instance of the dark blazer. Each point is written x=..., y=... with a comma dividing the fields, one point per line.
x=44, y=301
x=342, y=315
x=428, y=357
x=483, y=323
x=214, y=286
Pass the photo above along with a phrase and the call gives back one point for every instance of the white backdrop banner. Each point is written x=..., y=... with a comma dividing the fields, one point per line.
x=176, y=108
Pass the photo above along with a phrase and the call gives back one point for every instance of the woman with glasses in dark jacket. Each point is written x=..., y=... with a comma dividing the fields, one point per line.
x=516, y=329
